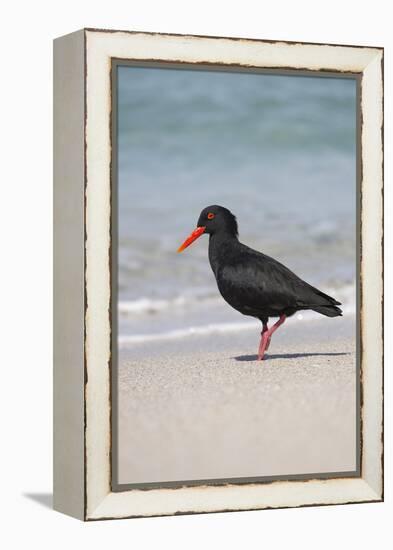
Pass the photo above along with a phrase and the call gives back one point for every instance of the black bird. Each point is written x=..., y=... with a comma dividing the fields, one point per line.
x=251, y=282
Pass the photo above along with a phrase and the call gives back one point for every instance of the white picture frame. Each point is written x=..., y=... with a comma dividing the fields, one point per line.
x=82, y=257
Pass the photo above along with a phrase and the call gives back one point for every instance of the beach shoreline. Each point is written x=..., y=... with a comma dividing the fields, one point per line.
x=202, y=407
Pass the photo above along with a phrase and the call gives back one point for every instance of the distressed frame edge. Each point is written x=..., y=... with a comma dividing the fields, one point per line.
x=372, y=270
x=358, y=492
x=98, y=512
x=236, y=38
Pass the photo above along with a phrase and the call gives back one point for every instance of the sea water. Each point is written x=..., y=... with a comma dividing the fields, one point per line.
x=278, y=151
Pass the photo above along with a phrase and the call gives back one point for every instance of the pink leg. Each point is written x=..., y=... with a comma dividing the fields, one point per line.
x=266, y=336
x=262, y=344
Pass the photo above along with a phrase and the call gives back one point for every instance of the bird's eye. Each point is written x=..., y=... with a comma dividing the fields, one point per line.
x=210, y=216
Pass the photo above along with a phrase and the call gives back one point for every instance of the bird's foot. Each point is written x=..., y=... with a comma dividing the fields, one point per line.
x=263, y=342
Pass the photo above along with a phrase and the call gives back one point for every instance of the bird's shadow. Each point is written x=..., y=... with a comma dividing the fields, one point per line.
x=45, y=499
x=289, y=356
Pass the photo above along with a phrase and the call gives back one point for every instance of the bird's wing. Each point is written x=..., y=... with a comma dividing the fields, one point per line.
x=255, y=280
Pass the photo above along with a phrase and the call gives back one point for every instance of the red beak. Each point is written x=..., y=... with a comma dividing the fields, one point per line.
x=193, y=237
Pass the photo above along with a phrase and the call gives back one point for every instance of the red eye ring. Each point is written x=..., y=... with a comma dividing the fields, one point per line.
x=210, y=216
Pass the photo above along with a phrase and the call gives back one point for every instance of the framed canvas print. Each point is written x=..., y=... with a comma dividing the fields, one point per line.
x=218, y=274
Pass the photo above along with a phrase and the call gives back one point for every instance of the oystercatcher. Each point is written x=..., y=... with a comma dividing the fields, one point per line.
x=252, y=282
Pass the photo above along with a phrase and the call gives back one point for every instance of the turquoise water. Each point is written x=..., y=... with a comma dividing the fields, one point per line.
x=278, y=151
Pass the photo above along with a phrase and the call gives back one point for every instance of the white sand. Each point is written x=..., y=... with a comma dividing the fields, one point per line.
x=204, y=408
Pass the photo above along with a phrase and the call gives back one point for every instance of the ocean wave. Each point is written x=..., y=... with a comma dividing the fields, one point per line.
x=152, y=306
x=345, y=293
x=203, y=330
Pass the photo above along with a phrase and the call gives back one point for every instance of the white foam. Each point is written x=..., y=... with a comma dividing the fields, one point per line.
x=213, y=328
x=345, y=294
x=125, y=340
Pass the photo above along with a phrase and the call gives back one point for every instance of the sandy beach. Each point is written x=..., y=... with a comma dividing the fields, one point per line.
x=203, y=408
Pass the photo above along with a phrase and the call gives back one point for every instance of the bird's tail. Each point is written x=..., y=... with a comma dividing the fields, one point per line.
x=326, y=305
x=329, y=311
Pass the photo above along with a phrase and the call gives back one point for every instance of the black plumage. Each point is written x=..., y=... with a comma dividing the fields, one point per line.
x=252, y=282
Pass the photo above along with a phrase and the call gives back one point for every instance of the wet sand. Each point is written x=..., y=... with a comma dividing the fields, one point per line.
x=204, y=408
